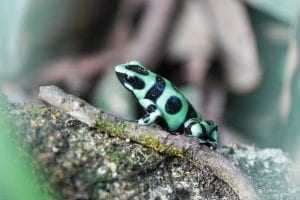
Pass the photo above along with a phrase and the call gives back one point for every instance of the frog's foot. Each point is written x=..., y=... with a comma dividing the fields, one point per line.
x=209, y=143
x=145, y=120
x=152, y=113
x=210, y=138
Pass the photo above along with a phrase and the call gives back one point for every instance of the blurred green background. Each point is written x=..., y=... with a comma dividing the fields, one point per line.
x=19, y=177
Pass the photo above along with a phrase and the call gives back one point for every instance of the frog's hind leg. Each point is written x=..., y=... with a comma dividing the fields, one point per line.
x=206, y=131
x=211, y=132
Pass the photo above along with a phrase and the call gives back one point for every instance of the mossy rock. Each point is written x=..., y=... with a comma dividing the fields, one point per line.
x=83, y=163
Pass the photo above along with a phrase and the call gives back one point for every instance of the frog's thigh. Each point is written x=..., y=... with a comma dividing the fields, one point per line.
x=193, y=128
x=214, y=136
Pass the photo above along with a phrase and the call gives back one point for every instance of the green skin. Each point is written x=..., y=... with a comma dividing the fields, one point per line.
x=161, y=100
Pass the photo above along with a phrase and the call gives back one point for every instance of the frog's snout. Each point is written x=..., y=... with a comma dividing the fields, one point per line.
x=119, y=68
x=121, y=77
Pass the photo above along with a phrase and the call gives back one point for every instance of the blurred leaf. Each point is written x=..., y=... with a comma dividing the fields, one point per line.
x=112, y=97
x=30, y=31
x=283, y=10
x=17, y=180
x=259, y=114
x=256, y=113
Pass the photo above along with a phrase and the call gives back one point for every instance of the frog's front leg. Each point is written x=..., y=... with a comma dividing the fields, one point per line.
x=206, y=131
x=152, y=112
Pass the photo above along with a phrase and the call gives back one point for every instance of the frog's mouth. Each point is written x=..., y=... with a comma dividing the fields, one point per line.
x=121, y=77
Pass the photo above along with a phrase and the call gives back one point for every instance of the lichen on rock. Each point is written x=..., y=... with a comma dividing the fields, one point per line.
x=269, y=169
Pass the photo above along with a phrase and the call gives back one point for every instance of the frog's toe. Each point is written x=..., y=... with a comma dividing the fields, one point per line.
x=141, y=122
x=209, y=143
x=144, y=121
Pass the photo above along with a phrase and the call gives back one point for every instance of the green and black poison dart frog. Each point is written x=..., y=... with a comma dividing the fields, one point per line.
x=164, y=104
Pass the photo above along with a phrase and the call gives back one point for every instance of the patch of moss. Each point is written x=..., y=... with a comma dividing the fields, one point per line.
x=117, y=129
x=36, y=111
x=152, y=142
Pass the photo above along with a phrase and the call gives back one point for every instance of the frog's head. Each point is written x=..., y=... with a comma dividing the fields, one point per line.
x=134, y=77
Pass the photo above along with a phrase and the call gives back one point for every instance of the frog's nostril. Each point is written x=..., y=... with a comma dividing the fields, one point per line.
x=120, y=68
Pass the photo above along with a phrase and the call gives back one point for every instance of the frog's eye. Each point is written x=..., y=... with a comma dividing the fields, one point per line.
x=135, y=82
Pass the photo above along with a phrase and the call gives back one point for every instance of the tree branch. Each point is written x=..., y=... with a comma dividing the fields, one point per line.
x=153, y=137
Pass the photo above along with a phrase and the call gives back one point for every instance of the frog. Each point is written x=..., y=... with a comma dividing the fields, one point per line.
x=164, y=104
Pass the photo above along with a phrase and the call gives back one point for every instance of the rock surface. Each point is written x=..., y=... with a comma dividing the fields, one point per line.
x=82, y=163
x=269, y=169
